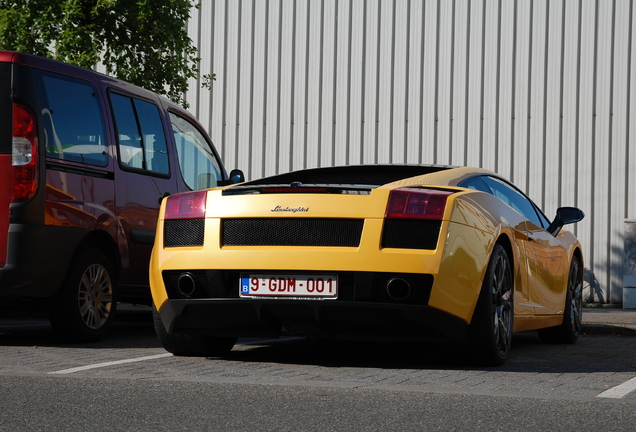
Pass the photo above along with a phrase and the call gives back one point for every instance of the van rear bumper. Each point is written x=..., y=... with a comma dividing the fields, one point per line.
x=38, y=258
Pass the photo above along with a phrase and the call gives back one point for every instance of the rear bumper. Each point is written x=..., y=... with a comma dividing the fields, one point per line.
x=338, y=319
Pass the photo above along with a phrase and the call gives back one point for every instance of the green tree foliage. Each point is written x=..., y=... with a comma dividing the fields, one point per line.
x=144, y=42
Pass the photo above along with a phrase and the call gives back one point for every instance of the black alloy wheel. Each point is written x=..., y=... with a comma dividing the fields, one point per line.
x=491, y=327
x=569, y=331
x=191, y=345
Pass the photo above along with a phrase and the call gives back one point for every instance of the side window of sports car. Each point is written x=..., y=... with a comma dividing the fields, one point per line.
x=476, y=183
x=514, y=199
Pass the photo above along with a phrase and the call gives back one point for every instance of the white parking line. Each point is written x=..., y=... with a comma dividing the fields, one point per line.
x=100, y=365
x=139, y=359
x=620, y=390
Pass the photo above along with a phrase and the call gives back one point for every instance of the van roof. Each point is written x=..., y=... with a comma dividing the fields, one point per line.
x=72, y=70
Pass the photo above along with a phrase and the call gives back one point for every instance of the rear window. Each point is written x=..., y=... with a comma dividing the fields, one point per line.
x=369, y=175
x=72, y=119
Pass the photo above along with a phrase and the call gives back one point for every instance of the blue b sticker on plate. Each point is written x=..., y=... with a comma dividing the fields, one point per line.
x=245, y=284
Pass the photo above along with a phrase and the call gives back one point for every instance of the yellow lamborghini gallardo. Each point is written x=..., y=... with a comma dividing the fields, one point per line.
x=393, y=252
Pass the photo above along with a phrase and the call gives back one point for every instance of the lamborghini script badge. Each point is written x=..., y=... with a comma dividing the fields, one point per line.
x=292, y=210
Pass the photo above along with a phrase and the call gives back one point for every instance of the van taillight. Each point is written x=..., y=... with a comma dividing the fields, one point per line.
x=415, y=203
x=190, y=205
x=25, y=154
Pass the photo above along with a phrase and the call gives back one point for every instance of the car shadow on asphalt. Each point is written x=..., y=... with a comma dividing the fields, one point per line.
x=132, y=328
x=336, y=353
x=528, y=354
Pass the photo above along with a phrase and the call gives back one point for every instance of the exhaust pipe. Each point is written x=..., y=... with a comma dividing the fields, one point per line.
x=398, y=289
x=186, y=284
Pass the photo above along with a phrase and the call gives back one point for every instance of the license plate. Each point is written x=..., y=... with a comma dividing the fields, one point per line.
x=294, y=285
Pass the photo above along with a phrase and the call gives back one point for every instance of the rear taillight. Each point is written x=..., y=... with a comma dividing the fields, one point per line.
x=415, y=203
x=25, y=154
x=189, y=205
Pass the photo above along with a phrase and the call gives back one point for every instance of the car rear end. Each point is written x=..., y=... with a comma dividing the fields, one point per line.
x=34, y=255
x=21, y=168
x=6, y=130
x=342, y=260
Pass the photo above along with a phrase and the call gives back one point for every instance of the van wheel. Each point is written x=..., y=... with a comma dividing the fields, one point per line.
x=84, y=307
x=191, y=345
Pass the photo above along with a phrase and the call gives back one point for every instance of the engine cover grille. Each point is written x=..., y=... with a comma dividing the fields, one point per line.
x=411, y=234
x=183, y=232
x=292, y=232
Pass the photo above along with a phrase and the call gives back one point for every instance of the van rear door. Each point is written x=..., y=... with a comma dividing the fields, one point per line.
x=6, y=128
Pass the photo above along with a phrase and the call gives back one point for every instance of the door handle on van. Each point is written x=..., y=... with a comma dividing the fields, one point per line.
x=167, y=194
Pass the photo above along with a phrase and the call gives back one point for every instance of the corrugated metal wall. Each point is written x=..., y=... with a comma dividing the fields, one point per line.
x=541, y=91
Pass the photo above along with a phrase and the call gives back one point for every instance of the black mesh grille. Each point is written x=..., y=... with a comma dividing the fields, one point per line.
x=292, y=232
x=183, y=232
x=410, y=234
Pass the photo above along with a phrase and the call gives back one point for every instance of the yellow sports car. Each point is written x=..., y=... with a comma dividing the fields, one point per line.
x=390, y=252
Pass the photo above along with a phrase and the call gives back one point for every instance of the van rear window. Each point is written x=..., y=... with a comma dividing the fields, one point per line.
x=74, y=130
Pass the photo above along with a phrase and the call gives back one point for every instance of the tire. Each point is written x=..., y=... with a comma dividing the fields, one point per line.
x=84, y=307
x=568, y=332
x=490, y=334
x=190, y=345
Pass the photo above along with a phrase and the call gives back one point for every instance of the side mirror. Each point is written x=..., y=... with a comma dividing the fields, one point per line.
x=236, y=176
x=564, y=216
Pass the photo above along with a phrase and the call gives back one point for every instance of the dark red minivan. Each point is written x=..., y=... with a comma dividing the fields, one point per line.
x=85, y=161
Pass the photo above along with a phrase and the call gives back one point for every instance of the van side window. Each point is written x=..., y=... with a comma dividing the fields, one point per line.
x=72, y=119
x=200, y=168
x=140, y=136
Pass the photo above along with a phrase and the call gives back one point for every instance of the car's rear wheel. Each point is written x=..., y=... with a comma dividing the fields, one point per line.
x=491, y=327
x=83, y=309
x=192, y=345
x=568, y=332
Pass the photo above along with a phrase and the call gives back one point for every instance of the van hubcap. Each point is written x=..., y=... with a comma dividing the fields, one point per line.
x=95, y=296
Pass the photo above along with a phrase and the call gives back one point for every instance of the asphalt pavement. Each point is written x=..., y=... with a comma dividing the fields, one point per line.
x=609, y=321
